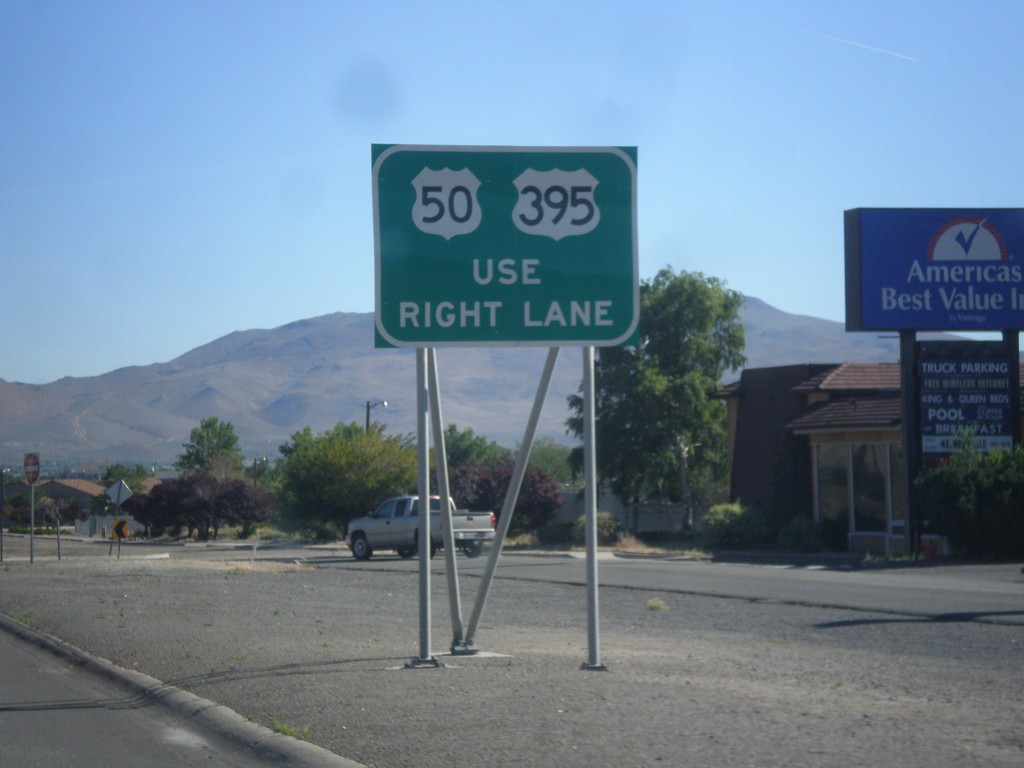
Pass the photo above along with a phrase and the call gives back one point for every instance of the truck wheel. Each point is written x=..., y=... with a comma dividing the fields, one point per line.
x=360, y=549
x=406, y=552
x=473, y=549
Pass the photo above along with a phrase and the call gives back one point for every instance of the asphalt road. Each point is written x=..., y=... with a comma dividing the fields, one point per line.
x=708, y=665
x=58, y=710
x=956, y=592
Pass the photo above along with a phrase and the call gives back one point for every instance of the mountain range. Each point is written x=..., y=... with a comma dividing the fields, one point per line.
x=270, y=384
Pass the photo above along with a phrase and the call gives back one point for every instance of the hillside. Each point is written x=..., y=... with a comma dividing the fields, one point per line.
x=317, y=372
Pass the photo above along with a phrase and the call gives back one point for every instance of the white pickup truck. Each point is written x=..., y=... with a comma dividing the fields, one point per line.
x=395, y=525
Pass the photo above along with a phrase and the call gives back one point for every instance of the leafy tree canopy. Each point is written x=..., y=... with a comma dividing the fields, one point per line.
x=329, y=479
x=134, y=477
x=655, y=420
x=212, y=449
x=466, y=448
x=553, y=459
x=202, y=504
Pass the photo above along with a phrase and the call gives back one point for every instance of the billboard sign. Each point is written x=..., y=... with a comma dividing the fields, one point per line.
x=966, y=390
x=505, y=245
x=934, y=269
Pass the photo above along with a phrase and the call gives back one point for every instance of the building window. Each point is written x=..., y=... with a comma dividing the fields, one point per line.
x=870, y=469
x=858, y=489
x=832, y=466
x=899, y=495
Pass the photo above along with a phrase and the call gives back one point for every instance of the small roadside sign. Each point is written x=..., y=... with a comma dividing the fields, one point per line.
x=119, y=492
x=31, y=468
x=120, y=529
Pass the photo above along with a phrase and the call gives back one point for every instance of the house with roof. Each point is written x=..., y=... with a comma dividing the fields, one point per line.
x=79, y=495
x=824, y=441
x=76, y=493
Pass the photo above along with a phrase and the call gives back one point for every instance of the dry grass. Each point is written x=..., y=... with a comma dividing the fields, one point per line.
x=241, y=567
x=628, y=543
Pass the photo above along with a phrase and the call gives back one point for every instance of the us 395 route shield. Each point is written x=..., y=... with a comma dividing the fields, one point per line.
x=505, y=245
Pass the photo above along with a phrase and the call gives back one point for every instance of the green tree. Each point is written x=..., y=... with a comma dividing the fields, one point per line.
x=329, y=479
x=134, y=477
x=466, y=448
x=658, y=433
x=553, y=459
x=212, y=449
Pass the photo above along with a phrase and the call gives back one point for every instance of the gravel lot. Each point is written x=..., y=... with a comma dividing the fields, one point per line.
x=700, y=682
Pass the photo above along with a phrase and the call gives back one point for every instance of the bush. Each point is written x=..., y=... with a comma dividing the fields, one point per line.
x=608, y=529
x=801, y=534
x=733, y=525
x=976, y=499
x=555, y=534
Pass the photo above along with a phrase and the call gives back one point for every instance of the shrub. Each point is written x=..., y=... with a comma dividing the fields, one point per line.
x=976, y=499
x=608, y=529
x=555, y=534
x=484, y=487
x=733, y=525
x=801, y=534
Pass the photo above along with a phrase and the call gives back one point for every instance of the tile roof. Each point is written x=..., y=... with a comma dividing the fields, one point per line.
x=82, y=486
x=729, y=390
x=850, y=413
x=853, y=377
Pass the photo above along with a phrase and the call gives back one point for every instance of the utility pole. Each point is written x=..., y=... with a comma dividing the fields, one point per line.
x=3, y=504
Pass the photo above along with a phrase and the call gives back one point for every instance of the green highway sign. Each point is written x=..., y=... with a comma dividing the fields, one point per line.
x=495, y=246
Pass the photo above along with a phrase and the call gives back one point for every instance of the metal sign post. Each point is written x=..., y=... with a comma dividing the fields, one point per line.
x=425, y=658
x=32, y=524
x=3, y=511
x=459, y=645
x=31, y=465
x=590, y=510
x=119, y=492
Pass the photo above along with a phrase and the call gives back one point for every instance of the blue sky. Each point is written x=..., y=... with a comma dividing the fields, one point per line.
x=171, y=172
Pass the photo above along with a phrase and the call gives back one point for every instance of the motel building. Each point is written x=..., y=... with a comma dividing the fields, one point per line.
x=825, y=440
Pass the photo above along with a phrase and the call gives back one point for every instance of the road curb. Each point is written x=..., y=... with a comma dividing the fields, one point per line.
x=279, y=749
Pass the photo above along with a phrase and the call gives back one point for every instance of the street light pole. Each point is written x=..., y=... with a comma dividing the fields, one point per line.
x=3, y=503
x=256, y=463
x=373, y=404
